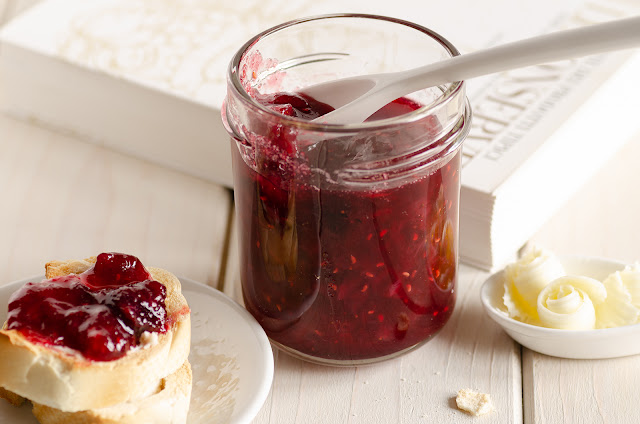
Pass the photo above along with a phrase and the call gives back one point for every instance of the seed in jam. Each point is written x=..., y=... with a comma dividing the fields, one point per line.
x=101, y=313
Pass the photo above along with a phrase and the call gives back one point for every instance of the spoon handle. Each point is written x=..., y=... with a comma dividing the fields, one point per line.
x=356, y=98
x=616, y=35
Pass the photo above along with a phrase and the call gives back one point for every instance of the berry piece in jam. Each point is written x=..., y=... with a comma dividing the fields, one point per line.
x=114, y=270
x=101, y=313
x=141, y=305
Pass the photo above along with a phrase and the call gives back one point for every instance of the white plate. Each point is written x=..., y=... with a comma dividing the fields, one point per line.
x=231, y=359
x=583, y=344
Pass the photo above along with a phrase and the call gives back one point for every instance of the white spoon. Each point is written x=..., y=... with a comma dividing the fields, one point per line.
x=357, y=98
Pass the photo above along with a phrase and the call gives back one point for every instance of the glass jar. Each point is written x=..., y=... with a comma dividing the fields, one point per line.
x=348, y=234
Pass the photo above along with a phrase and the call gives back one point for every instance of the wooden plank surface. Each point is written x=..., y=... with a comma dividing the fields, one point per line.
x=580, y=391
x=70, y=199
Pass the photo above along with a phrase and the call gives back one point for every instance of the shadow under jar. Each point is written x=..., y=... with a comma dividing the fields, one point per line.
x=348, y=234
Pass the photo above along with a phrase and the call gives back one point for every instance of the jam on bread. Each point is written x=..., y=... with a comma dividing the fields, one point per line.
x=101, y=313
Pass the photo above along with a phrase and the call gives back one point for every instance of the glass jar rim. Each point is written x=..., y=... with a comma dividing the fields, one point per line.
x=452, y=89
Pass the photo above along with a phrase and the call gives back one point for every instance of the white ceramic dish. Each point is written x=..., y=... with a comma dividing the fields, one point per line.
x=231, y=359
x=584, y=344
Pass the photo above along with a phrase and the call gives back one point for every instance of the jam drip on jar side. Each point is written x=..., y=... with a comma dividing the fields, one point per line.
x=101, y=313
x=339, y=273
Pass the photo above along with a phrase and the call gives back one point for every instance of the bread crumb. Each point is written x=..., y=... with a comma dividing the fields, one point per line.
x=473, y=402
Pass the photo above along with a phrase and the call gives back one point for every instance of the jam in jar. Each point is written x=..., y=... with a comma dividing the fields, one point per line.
x=347, y=234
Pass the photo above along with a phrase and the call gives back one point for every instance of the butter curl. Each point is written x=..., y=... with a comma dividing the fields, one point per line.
x=525, y=278
x=569, y=302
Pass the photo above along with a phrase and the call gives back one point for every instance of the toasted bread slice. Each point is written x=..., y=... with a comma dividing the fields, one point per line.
x=63, y=379
x=169, y=405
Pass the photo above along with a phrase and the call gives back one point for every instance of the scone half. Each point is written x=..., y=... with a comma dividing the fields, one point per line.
x=63, y=379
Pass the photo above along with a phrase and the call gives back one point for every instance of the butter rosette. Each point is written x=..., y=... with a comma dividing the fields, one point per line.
x=525, y=279
x=570, y=302
x=630, y=278
x=621, y=306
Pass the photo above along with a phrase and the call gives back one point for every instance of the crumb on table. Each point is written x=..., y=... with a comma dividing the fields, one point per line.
x=473, y=402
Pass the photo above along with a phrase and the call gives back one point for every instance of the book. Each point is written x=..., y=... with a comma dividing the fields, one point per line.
x=147, y=78
x=538, y=134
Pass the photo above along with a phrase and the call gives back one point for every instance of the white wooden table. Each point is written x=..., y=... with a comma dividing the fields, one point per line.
x=63, y=198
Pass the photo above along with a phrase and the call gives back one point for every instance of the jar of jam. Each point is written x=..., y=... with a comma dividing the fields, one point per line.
x=348, y=234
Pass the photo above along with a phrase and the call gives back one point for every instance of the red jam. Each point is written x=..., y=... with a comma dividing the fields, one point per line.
x=100, y=313
x=338, y=273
